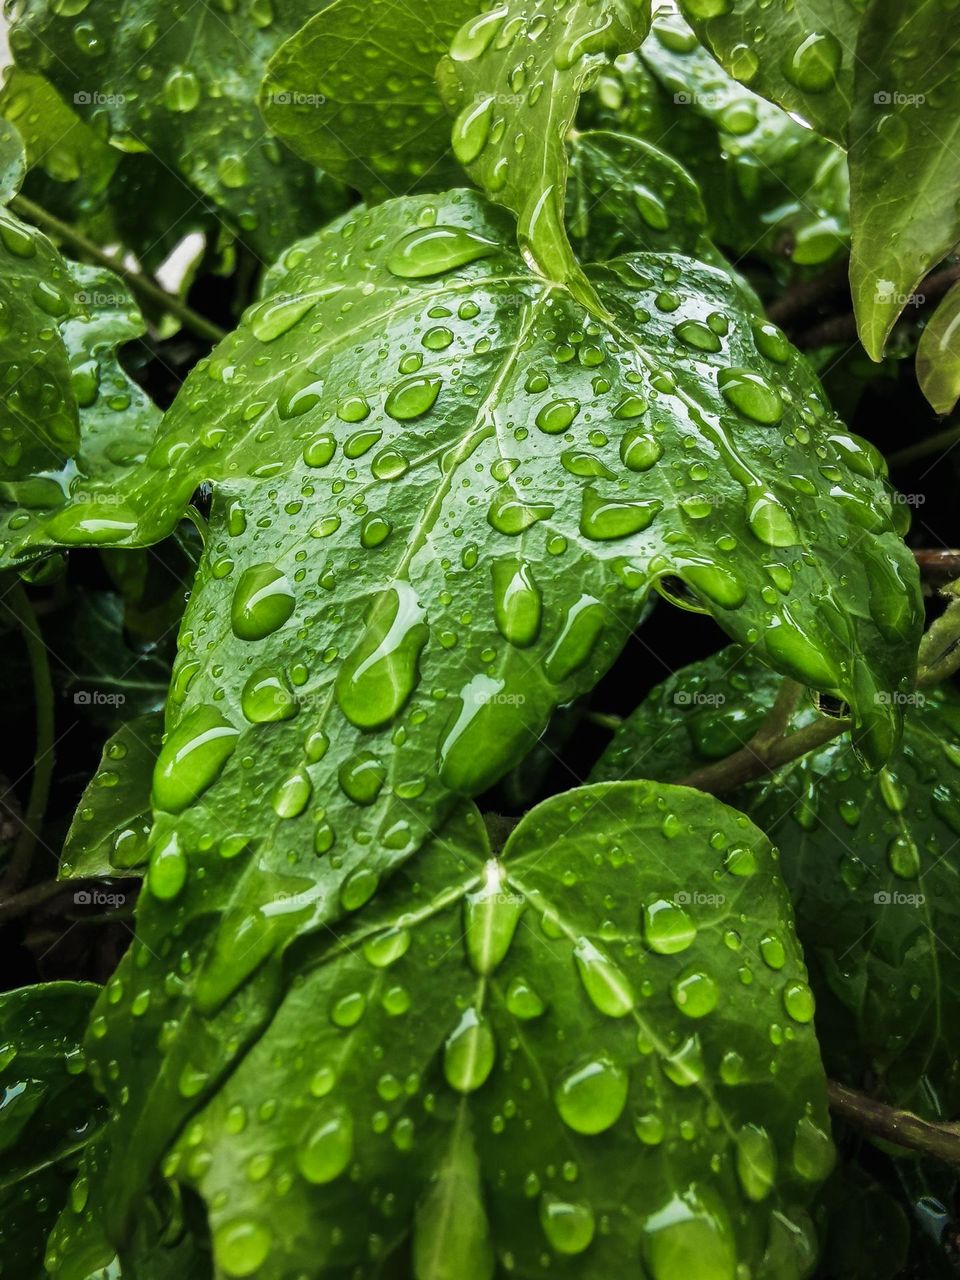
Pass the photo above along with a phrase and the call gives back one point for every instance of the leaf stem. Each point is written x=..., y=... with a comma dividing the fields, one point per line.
x=16, y=603
x=761, y=756
x=941, y=1140
x=604, y=720
x=137, y=281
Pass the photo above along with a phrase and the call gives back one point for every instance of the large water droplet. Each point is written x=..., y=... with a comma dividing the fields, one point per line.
x=192, y=758
x=568, y=1226
x=604, y=982
x=751, y=394
x=591, y=1098
x=430, y=251
x=262, y=602
x=469, y=1053
x=380, y=673
x=327, y=1151
x=667, y=928
x=491, y=915
x=517, y=603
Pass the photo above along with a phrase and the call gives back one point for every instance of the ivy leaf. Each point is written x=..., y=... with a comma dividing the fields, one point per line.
x=938, y=354
x=417, y=421
x=905, y=107
x=626, y=195
x=41, y=420
x=50, y=1111
x=771, y=186
x=583, y=991
x=514, y=75
x=800, y=56
x=109, y=832
x=196, y=113
x=353, y=91
x=870, y=859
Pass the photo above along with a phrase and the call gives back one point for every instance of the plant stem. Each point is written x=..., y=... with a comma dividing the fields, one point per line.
x=604, y=720
x=138, y=282
x=18, y=903
x=16, y=603
x=923, y=449
x=762, y=756
x=900, y=1127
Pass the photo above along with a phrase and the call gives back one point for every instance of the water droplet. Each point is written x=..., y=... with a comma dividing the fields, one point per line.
x=471, y=129
x=191, y=758
x=168, y=869
x=381, y=672
x=605, y=983
x=490, y=915
x=469, y=1053
x=557, y=416
x=691, y=1235
x=361, y=777
x=262, y=602
x=694, y=993
x=241, y=1246
x=325, y=1154
x=523, y=1001
x=413, y=397
x=605, y=519
x=181, y=92
x=591, y=1098
x=813, y=1152
x=756, y=1162
x=667, y=928
x=267, y=698
x=430, y=251
x=569, y=1227
x=695, y=334
x=798, y=1001
x=751, y=394
x=517, y=603
x=275, y=317
x=291, y=796
x=815, y=63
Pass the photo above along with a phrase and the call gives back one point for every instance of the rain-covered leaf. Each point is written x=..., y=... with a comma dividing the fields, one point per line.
x=514, y=76
x=938, y=354
x=54, y=137
x=195, y=110
x=442, y=494
x=770, y=185
x=353, y=91
x=49, y=1112
x=625, y=195
x=872, y=862
x=563, y=1054
x=40, y=427
x=800, y=55
x=904, y=160
x=108, y=835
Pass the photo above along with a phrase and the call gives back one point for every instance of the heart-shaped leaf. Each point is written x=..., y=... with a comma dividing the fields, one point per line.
x=573, y=1052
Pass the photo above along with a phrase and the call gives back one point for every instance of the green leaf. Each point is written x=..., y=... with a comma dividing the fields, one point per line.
x=870, y=859
x=353, y=91
x=938, y=354
x=514, y=75
x=404, y=575
x=54, y=136
x=196, y=111
x=108, y=833
x=799, y=55
x=904, y=166
x=771, y=186
x=49, y=1113
x=41, y=420
x=500, y=1051
x=625, y=195
x=872, y=864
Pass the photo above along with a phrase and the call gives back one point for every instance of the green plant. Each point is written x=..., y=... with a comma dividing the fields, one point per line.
x=378, y=908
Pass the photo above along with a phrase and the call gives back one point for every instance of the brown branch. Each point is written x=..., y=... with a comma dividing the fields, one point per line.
x=941, y=1140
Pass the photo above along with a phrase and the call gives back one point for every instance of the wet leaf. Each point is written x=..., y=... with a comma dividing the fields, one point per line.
x=108, y=835
x=501, y=1049
x=196, y=110
x=514, y=76
x=771, y=186
x=904, y=168
x=54, y=136
x=442, y=494
x=49, y=1113
x=800, y=55
x=353, y=91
